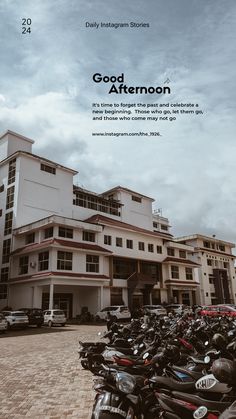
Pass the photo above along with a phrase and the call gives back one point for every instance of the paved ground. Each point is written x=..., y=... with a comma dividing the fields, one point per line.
x=41, y=376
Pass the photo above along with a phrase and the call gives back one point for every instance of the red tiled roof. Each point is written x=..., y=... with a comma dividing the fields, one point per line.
x=59, y=273
x=176, y=260
x=33, y=246
x=101, y=219
x=65, y=243
x=181, y=283
x=79, y=245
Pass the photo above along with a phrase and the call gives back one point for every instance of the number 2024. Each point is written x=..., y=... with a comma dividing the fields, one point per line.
x=26, y=22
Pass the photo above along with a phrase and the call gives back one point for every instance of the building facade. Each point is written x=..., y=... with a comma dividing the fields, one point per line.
x=216, y=271
x=64, y=246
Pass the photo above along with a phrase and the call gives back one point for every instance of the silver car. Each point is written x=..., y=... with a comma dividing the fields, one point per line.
x=154, y=309
x=16, y=319
x=3, y=323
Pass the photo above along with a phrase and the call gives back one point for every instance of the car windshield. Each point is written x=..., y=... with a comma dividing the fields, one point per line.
x=59, y=312
x=111, y=308
x=153, y=307
x=18, y=313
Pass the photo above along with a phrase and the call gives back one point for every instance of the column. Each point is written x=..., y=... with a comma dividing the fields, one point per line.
x=51, y=296
x=101, y=296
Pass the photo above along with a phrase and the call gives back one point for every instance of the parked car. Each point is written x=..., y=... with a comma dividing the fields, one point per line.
x=35, y=316
x=218, y=310
x=3, y=323
x=54, y=317
x=16, y=319
x=154, y=309
x=118, y=312
x=179, y=308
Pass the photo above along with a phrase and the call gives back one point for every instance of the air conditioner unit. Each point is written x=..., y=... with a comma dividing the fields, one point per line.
x=33, y=264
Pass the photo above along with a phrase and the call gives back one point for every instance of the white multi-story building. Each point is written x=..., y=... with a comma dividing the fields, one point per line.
x=216, y=270
x=68, y=247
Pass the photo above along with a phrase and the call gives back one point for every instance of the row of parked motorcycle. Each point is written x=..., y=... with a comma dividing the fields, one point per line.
x=174, y=367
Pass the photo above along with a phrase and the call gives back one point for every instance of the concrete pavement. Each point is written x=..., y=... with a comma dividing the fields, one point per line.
x=41, y=376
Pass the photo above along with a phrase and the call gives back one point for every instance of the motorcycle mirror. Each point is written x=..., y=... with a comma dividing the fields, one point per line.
x=146, y=355
x=200, y=412
x=135, y=352
x=207, y=359
x=206, y=343
x=141, y=345
x=130, y=340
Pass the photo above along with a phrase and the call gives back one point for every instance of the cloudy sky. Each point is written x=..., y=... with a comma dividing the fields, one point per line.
x=46, y=91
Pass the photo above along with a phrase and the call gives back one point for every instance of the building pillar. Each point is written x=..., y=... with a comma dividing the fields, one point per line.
x=51, y=296
x=36, y=297
x=101, y=296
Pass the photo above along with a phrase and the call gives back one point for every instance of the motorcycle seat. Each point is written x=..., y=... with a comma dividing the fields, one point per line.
x=196, y=360
x=172, y=384
x=200, y=401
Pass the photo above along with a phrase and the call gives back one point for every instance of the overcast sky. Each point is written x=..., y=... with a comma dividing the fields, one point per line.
x=46, y=91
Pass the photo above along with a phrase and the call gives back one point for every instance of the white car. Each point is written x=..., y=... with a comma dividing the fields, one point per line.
x=3, y=323
x=16, y=319
x=54, y=317
x=179, y=309
x=118, y=312
x=154, y=309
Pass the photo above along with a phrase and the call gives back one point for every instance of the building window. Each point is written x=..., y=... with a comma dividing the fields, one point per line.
x=164, y=227
x=64, y=261
x=189, y=273
x=182, y=254
x=43, y=261
x=209, y=262
x=119, y=242
x=8, y=223
x=170, y=251
x=5, y=274
x=65, y=232
x=211, y=279
x=6, y=250
x=221, y=247
x=12, y=171
x=175, y=272
x=10, y=197
x=0, y=212
x=88, y=236
x=2, y=188
x=150, y=247
x=155, y=225
x=159, y=249
x=123, y=268
x=207, y=244
x=107, y=240
x=136, y=198
x=48, y=169
x=3, y=292
x=30, y=238
x=96, y=203
x=141, y=246
x=129, y=244
x=92, y=263
x=48, y=232
x=23, y=265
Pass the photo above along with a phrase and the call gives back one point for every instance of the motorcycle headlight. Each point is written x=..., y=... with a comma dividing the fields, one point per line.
x=125, y=382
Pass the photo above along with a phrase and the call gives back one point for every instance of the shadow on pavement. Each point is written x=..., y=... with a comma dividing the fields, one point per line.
x=31, y=330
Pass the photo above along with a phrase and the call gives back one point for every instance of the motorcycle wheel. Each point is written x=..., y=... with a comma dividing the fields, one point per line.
x=100, y=414
x=84, y=363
